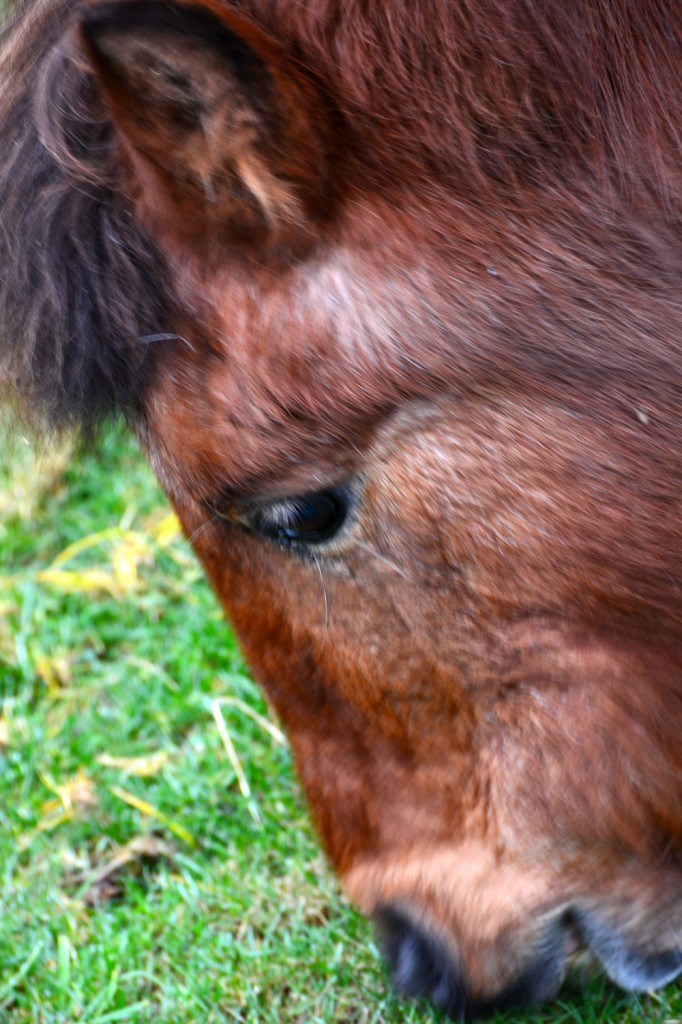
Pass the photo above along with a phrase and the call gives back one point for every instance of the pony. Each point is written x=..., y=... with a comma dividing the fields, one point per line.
x=390, y=295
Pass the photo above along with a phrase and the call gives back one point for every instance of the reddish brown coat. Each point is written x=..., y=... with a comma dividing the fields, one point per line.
x=426, y=257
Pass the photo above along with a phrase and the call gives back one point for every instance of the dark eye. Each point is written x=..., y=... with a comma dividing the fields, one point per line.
x=305, y=519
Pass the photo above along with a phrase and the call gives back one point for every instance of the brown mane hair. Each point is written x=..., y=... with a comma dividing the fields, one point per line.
x=83, y=288
x=538, y=87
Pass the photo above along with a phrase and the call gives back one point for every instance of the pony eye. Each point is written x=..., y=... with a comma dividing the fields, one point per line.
x=305, y=519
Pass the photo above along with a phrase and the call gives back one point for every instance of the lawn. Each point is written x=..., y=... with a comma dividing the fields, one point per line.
x=157, y=862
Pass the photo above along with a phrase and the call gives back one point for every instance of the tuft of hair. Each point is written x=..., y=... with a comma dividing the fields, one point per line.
x=83, y=288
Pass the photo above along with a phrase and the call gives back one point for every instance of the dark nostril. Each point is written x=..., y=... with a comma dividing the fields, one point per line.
x=420, y=965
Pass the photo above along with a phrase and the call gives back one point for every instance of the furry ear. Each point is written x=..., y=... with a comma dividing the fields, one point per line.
x=227, y=140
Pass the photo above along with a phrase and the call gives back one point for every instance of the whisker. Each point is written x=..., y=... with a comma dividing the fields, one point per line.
x=200, y=529
x=383, y=558
x=324, y=593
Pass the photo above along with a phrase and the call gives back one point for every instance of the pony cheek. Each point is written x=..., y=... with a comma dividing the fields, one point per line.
x=254, y=583
x=260, y=589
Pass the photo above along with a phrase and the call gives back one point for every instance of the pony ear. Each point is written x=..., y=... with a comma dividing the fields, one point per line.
x=227, y=141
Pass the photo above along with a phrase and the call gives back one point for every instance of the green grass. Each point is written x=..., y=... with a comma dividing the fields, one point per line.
x=176, y=895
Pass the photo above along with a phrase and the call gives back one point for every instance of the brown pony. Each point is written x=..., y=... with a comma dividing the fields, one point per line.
x=390, y=293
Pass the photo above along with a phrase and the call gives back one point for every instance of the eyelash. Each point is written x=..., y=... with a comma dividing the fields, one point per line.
x=304, y=521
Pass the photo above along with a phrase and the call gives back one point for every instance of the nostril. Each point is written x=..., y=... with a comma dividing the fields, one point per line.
x=420, y=965
x=569, y=924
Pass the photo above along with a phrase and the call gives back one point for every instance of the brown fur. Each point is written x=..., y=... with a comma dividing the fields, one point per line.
x=436, y=249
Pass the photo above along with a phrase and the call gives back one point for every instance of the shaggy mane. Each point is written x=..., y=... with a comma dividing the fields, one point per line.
x=81, y=283
x=504, y=90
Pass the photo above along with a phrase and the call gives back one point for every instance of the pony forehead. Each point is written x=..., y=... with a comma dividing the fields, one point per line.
x=295, y=368
x=285, y=385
